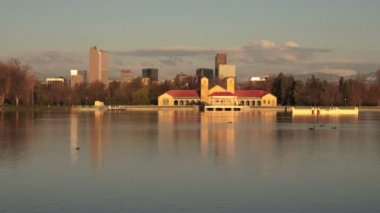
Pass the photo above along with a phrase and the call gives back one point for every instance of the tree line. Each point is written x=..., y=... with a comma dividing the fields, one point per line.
x=316, y=92
x=19, y=87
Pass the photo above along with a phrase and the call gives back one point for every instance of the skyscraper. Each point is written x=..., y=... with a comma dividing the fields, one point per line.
x=98, y=65
x=226, y=70
x=77, y=77
x=220, y=59
x=205, y=72
x=151, y=73
x=126, y=76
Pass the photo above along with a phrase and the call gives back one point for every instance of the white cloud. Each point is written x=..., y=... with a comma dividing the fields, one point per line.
x=268, y=52
x=291, y=44
x=264, y=44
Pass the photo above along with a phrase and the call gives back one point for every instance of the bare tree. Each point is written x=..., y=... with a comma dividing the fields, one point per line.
x=4, y=82
x=331, y=96
x=16, y=81
x=358, y=91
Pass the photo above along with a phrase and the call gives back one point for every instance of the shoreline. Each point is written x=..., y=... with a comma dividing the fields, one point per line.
x=151, y=108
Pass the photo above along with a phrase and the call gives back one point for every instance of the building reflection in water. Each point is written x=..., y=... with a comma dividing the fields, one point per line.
x=74, y=137
x=258, y=140
x=217, y=136
x=178, y=132
x=98, y=134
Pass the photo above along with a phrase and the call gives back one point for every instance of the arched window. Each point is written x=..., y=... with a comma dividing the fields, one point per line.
x=247, y=103
x=259, y=103
x=253, y=103
x=181, y=102
x=187, y=102
x=241, y=103
x=192, y=102
x=175, y=103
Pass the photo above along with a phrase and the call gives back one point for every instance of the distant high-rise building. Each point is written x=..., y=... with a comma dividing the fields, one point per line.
x=151, y=73
x=77, y=77
x=180, y=78
x=220, y=59
x=56, y=81
x=226, y=70
x=126, y=76
x=98, y=65
x=205, y=72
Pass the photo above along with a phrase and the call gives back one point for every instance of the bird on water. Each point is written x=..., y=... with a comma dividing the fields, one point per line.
x=312, y=128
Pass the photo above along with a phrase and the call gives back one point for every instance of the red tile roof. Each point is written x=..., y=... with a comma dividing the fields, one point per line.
x=250, y=93
x=221, y=94
x=183, y=93
x=238, y=93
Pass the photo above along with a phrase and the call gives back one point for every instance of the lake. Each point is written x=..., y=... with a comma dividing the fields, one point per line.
x=186, y=161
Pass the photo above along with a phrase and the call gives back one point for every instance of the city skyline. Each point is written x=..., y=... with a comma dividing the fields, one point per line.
x=260, y=37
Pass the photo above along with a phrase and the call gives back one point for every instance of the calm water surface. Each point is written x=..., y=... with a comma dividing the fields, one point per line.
x=184, y=161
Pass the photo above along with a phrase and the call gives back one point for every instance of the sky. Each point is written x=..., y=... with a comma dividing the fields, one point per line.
x=261, y=37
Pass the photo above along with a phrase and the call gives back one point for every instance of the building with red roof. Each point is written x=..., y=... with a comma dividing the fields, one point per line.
x=218, y=96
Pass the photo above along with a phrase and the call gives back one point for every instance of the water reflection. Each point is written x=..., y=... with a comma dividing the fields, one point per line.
x=312, y=135
x=322, y=119
x=98, y=134
x=177, y=132
x=186, y=160
x=258, y=140
x=16, y=131
x=217, y=136
x=74, y=137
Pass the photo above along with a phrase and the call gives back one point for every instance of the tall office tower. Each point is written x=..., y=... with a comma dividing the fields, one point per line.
x=98, y=65
x=151, y=73
x=126, y=76
x=77, y=77
x=226, y=70
x=205, y=72
x=220, y=59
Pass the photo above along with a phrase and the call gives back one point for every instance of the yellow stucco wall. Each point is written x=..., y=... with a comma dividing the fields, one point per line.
x=204, y=89
x=230, y=85
x=216, y=88
x=268, y=100
x=180, y=101
x=164, y=96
